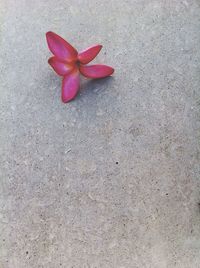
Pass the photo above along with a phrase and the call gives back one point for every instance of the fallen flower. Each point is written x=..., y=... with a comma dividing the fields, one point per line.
x=68, y=63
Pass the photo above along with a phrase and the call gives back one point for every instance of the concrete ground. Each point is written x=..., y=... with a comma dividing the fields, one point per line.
x=110, y=180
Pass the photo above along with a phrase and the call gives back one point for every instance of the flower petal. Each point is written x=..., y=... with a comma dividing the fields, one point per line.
x=70, y=86
x=96, y=71
x=89, y=54
x=61, y=48
x=60, y=67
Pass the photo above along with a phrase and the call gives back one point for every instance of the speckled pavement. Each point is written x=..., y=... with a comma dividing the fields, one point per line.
x=112, y=179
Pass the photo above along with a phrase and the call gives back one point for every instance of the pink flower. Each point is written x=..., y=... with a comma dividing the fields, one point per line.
x=68, y=63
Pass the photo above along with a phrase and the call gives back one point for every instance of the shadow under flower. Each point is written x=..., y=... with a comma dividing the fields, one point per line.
x=89, y=87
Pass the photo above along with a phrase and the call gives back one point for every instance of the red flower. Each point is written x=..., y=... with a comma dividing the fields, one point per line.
x=67, y=62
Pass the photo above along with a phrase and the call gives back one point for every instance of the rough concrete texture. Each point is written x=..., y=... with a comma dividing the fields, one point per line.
x=110, y=180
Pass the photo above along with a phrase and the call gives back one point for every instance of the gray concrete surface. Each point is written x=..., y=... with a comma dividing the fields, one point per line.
x=111, y=179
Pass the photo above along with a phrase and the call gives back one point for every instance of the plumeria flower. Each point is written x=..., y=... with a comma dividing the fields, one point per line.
x=69, y=64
